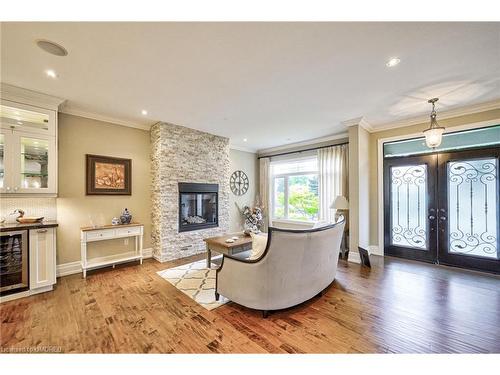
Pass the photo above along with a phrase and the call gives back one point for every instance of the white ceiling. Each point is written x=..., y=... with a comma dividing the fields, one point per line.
x=272, y=83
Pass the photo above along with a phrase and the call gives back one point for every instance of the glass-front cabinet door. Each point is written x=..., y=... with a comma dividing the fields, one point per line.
x=6, y=146
x=21, y=117
x=27, y=150
x=35, y=166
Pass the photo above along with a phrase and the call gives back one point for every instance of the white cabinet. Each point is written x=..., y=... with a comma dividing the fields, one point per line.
x=28, y=163
x=42, y=250
x=28, y=143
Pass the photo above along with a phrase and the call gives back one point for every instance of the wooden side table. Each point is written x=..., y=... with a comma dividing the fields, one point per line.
x=219, y=245
x=110, y=232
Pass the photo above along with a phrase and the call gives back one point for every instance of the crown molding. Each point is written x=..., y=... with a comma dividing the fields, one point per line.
x=244, y=149
x=358, y=121
x=442, y=115
x=303, y=143
x=99, y=117
x=25, y=96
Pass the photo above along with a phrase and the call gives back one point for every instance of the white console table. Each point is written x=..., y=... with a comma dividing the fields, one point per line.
x=110, y=232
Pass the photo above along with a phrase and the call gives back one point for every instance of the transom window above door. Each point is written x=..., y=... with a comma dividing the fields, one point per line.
x=294, y=189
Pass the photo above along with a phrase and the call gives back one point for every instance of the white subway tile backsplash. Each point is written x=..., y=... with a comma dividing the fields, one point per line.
x=46, y=207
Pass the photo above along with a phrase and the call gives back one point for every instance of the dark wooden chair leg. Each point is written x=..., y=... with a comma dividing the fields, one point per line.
x=217, y=295
x=265, y=313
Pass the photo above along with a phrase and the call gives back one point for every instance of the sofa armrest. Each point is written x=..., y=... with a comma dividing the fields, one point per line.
x=236, y=258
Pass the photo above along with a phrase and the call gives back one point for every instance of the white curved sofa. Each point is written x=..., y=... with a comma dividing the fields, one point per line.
x=296, y=266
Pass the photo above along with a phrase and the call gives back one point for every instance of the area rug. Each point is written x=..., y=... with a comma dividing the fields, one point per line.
x=196, y=281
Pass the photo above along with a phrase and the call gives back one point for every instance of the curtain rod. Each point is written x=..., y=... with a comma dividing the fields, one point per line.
x=299, y=151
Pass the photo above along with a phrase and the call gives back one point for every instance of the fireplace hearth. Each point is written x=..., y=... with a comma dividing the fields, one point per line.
x=198, y=206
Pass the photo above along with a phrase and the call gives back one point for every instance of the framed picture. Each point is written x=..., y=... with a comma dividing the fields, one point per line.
x=108, y=176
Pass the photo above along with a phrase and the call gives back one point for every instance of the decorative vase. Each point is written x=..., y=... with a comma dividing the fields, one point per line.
x=115, y=221
x=126, y=217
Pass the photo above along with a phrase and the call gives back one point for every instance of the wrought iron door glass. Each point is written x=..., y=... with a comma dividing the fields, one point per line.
x=472, y=206
x=408, y=206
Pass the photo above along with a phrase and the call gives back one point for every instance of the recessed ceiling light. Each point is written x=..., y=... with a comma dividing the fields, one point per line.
x=144, y=112
x=393, y=62
x=51, y=47
x=19, y=123
x=244, y=139
x=50, y=73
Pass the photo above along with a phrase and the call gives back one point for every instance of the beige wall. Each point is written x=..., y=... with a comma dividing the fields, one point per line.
x=79, y=136
x=409, y=130
x=248, y=163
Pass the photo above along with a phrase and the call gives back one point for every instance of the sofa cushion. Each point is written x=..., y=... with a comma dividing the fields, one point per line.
x=320, y=224
x=259, y=242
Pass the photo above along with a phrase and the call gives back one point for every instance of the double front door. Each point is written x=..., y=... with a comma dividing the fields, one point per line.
x=444, y=208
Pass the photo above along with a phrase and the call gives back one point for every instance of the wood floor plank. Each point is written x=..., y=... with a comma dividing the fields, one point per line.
x=396, y=306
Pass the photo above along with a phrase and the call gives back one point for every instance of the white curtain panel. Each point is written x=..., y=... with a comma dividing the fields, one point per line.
x=333, y=178
x=264, y=166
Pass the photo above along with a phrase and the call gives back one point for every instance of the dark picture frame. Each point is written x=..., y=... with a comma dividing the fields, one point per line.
x=106, y=175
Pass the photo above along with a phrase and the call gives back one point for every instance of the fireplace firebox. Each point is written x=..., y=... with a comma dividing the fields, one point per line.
x=198, y=206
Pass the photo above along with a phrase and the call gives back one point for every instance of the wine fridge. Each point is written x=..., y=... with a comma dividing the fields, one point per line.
x=14, y=262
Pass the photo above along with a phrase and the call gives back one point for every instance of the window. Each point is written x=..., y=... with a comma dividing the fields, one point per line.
x=488, y=136
x=295, y=193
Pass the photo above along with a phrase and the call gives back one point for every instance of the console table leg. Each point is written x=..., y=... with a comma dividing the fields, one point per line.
x=209, y=257
x=140, y=248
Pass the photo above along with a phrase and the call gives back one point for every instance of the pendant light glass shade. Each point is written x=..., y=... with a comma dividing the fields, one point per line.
x=433, y=135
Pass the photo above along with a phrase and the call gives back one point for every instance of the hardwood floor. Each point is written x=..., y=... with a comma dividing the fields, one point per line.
x=396, y=307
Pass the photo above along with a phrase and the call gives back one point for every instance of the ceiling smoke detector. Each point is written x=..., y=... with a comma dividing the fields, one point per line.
x=51, y=47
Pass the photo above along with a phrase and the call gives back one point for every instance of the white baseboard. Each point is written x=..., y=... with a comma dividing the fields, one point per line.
x=26, y=293
x=374, y=249
x=71, y=268
x=354, y=257
x=147, y=253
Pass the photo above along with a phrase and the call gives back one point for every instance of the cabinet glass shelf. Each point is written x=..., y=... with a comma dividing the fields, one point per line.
x=34, y=174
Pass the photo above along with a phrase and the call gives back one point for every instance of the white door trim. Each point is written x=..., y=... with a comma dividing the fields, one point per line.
x=380, y=168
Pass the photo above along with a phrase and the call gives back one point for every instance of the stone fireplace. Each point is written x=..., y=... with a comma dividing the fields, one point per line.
x=190, y=189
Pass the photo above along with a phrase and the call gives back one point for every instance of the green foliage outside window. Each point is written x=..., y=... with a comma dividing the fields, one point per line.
x=303, y=198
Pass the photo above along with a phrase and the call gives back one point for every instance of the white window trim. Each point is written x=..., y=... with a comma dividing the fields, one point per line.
x=286, y=176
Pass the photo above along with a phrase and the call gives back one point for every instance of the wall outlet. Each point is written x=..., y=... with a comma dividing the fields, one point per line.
x=125, y=241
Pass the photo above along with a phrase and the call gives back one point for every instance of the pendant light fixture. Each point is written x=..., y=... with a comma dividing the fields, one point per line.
x=433, y=135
